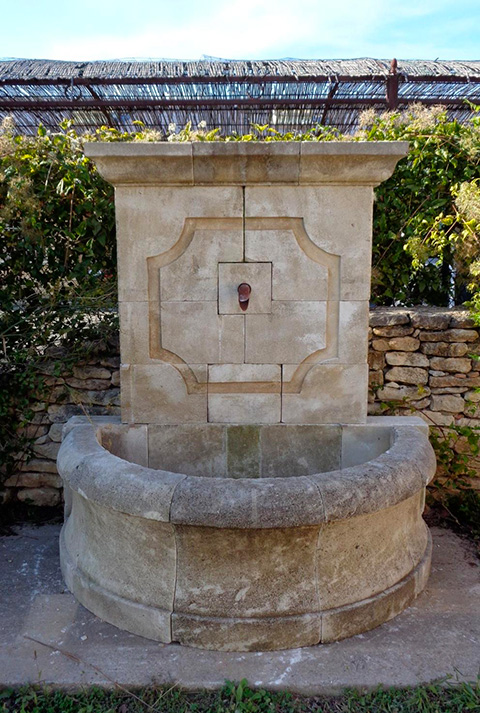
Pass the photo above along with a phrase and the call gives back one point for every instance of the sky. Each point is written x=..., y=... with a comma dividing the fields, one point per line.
x=234, y=29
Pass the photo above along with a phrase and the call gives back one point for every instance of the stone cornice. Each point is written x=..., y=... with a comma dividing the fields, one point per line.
x=241, y=163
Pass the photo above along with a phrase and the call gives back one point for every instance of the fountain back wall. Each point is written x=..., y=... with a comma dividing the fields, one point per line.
x=245, y=502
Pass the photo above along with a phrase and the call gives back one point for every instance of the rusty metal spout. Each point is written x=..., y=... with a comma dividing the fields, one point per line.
x=244, y=291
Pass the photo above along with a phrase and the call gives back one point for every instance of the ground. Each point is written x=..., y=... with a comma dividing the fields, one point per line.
x=49, y=637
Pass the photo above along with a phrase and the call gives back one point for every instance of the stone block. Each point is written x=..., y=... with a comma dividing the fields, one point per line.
x=160, y=395
x=463, y=366
x=400, y=393
x=292, y=332
x=40, y=497
x=445, y=349
x=450, y=335
x=453, y=380
x=400, y=330
x=193, y=275
x=231, y=573
x=128, y=441
x=95, y=535
x=356, y=618
x=135, y=332
x=158, y=215
x=191, y=449
x=91, y=372
x=296, y=275
x=244, y=393
x=289, y=451
x=258, y=275
x=261, y=634
x=376, y=360
x=238, y=164
x=437, y=418
x=89, y=384
x=36, y=465
x=407, y=375
x=406, y=359
x=34, y=480
x=244, y=408
x=404, y=344
x=352, y=332
x=388, y=317
x=429, y=318
x=243, y=451
x=334, y=219
x=449, y=402
x=220, y=338
x=362, y=443
x=375, y=379
x=331, y=393
x=46, y=450
x=363, y=556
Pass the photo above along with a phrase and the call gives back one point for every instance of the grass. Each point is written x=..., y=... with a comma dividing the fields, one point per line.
x=239, y=698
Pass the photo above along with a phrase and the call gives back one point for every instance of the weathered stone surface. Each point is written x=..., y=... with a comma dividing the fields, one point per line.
x=388, y=317
x=429, y=318
x=445, y=349
x=116, y=378
x=437, y=418
x=450, y=390
x=189, y=448
x=91, y=372
x=110, y=397
x=407, y=375
x=410, y=393
x=404, y=344
x=449, y=402
x=375, y=379
x=450, y=335
x=36, y=465
x=461, y=319
x=34, y=430
x=260, y=634
x=406, y=359
x=89, y=384
x=473, y=396
x=41, y=497
x=451, y=364
x=376, y=360
x=34, y=480
x=279, y=560
x=55, y=432
x=112, y=362
x=380, y=345
x=363, y=556
x=47, y=450
x=288, y=450
x=461, y=380
x=394, y=331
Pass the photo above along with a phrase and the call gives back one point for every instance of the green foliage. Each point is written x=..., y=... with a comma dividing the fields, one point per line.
x=239, y=698
x=423, y=222
x=57, y=269
x=57, y=254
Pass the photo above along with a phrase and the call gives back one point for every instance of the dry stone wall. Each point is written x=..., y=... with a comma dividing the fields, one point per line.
x=423, y=359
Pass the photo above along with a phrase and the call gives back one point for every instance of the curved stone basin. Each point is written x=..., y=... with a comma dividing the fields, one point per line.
x=293, y=557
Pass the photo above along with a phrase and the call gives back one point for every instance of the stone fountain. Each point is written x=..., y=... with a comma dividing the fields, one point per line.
x=245, y=501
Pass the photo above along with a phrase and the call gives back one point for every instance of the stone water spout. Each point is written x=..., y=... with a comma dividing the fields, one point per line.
x=245, y=501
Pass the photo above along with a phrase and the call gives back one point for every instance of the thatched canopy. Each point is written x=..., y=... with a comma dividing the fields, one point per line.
x=231, y=94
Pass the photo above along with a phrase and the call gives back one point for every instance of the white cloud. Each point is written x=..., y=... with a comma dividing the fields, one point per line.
x=256, y=29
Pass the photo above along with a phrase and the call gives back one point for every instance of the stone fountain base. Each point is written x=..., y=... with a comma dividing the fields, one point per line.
x=166, y=536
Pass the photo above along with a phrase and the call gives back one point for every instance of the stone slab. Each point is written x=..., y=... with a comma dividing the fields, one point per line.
x=437, y=636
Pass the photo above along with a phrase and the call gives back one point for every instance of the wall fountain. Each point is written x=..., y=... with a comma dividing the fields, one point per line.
x=245, y=501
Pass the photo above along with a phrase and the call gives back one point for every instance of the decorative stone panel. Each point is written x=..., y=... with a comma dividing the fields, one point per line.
x=293, y=222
